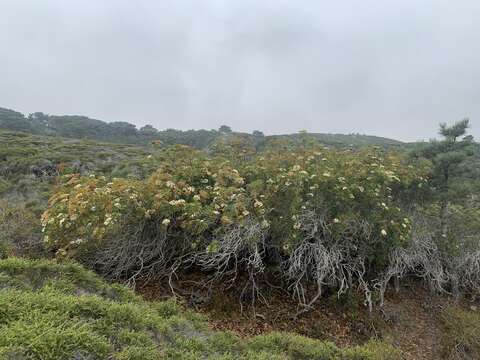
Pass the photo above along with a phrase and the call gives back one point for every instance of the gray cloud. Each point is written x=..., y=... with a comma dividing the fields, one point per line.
x=391, y=68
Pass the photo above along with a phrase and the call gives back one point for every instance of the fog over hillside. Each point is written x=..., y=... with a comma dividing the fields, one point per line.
x=380, y=68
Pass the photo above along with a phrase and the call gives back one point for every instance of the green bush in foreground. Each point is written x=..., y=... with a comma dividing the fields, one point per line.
x=61, y=311
x=320, y=216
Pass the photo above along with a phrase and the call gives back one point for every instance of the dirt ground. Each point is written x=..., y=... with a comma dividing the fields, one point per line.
x=409, y=319
x=416, y=328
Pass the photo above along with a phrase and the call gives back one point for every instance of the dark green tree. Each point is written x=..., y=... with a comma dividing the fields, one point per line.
x=447, y=156
x=258, y=134
x=148, y=130
x=14, y=120
x=224, y=129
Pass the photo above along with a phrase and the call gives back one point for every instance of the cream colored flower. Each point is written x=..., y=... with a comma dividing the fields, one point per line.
x=258, y=204
x=166, y=222
x=239, y=181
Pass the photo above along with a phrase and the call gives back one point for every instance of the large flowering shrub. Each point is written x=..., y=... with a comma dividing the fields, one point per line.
x=344, y=186
x=233, y=213
x=189, y=193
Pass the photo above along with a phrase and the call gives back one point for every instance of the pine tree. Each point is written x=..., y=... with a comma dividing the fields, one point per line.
x=446, y=155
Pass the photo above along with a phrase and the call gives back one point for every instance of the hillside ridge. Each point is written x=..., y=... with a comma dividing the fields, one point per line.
x=78, y=126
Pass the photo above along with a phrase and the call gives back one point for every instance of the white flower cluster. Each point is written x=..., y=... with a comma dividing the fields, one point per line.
x=179, y=202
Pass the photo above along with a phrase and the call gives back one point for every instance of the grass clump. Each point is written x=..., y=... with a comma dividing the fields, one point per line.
x=290, y=346
x=51, y=310
x=462, y=333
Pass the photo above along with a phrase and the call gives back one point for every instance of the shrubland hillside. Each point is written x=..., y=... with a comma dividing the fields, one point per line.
x=262, y=220
x=26, y=160
x=82, y=127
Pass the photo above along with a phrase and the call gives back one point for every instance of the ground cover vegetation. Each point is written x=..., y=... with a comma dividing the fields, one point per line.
x=62, y=311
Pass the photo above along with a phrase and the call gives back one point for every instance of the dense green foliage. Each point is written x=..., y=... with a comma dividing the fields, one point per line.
x=15, y=121
x=82, y=127
x=236, y=215
x=29, y=167
x=195, y=194
x=447, y=155
x=446, y=246
x=59, y=311
x=33, y=162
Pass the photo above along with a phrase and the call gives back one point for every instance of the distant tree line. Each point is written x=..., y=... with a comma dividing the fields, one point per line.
x=82, y=127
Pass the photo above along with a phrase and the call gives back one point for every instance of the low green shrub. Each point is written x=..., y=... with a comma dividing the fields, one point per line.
x=51, y=310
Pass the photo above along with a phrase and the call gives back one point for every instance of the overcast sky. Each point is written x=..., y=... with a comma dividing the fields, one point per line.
x=388, y=68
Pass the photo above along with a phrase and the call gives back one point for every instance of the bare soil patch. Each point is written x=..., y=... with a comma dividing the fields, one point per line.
x=410, y=320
